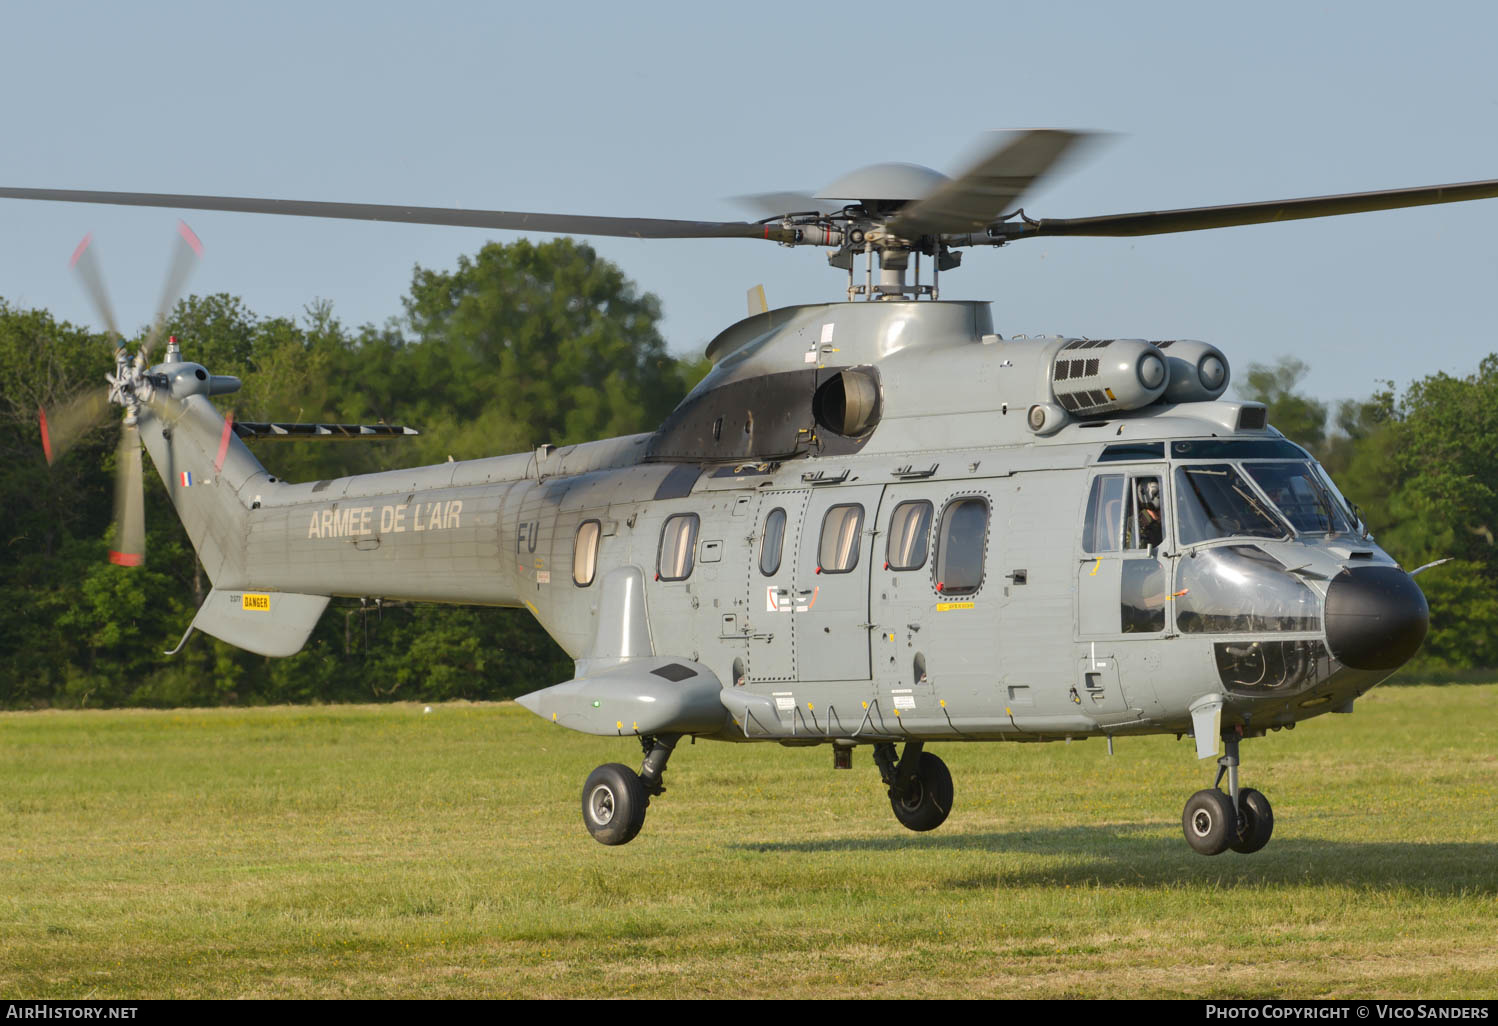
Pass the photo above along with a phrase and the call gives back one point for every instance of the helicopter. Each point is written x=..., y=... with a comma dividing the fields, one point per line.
x=875, y=522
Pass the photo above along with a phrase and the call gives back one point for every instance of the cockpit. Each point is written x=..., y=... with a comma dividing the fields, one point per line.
x=1245, y=541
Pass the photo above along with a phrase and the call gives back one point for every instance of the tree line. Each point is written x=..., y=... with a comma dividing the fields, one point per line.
x=519, y=345
x=523, y=344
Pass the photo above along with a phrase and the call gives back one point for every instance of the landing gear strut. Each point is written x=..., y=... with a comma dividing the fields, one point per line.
x=1241, y=819
x=615, y=797
x=920, y=785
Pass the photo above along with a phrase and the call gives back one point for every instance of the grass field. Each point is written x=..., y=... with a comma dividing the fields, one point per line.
x=379, y=851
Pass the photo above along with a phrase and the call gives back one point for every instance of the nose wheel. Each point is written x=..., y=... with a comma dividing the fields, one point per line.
x=1255, y=822
x=1240, y=819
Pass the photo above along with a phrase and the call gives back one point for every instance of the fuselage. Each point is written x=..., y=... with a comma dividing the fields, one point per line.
x=952, y=574
x=832, y=599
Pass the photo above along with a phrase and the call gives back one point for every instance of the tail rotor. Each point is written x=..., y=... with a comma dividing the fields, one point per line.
x=131, y=387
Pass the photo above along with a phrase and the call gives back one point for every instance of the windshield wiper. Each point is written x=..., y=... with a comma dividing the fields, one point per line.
x=1254, y=504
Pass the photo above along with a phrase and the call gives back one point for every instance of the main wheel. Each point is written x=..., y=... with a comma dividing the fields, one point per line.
x=927, y=798
x=1255, y=822
x=1210, y=821
x=614, y=803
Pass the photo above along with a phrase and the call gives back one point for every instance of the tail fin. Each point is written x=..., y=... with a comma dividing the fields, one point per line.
x=211, y=477
x=214, y=482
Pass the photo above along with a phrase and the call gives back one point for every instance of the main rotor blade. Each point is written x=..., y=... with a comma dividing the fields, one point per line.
x=1191, y=219
x=71, y=421
x=504, y=220
x=185, y=255
x=989, y=189
x=129, y=502
x=773, y=204
x=87, y=266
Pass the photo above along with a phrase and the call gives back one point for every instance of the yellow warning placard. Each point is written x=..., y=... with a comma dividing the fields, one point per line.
x=255, y=603
x=945, y=607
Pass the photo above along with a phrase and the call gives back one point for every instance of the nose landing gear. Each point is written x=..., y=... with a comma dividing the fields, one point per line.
x=1241, y=819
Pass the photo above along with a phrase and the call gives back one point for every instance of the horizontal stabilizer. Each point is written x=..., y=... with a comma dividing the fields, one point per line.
x=323, y=432
x=269, y=623
x=654, y=695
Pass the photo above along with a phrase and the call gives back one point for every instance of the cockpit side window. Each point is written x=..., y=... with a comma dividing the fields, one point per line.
x=1349, y=512
x=1144, y=527
x=1103, y=525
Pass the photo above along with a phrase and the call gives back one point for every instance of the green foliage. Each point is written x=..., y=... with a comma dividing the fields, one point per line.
x=1423, y=469
x=543, y=343
x=519, y=345
x=1300, y=418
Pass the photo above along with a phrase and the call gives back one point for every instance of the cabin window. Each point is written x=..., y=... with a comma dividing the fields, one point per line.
x=1103, y=525
x=838, y=552
x=585, y=553
x=771, y=542
x=959, y=546
x=909, y=536
x=678, y=538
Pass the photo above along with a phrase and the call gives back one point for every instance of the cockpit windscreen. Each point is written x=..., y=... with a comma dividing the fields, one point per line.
x=1296, y=490
x=1214, y=501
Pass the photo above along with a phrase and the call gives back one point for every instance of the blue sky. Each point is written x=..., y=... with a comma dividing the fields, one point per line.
x=667, y=110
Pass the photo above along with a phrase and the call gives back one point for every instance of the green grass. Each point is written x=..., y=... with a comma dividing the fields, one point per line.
x=379, y=851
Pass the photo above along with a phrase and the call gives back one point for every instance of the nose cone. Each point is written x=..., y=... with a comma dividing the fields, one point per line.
x=1376, y=617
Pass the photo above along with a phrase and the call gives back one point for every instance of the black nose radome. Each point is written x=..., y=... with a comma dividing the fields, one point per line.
x=1376, y=617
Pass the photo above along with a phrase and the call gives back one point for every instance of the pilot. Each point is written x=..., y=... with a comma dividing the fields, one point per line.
x=1147, y=500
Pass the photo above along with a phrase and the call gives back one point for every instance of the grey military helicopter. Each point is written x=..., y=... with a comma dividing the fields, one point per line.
x=875, y=522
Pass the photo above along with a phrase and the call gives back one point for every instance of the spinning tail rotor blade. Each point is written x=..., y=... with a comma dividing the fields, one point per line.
x=87, y=266
x=129, y=502
x=185, y=255
x=70, y=422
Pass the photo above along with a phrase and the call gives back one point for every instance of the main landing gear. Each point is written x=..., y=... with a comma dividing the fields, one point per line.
x=1241, y=819
x=615, y=797
x=920, y=785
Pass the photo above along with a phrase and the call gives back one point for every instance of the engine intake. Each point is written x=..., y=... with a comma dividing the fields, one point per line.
x=1090, y=377
x=1198, y=371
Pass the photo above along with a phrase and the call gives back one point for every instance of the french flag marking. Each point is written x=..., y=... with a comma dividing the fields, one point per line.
x=187, y=479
